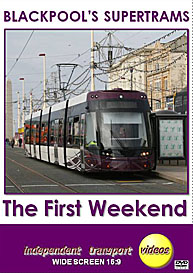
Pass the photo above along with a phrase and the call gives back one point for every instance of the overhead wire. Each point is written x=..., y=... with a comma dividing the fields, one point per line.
x=88, y=71
x=17, y=59
x=127, y=70
x=156, y=58
x=135, y=52
x=87, y=80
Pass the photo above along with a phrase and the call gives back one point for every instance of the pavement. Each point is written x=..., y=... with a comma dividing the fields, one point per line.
x=173, y=173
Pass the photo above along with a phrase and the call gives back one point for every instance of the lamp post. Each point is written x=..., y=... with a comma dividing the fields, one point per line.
x=151, y=98
x=174, y=96
x=31, y=103
x=23, y=101
x=18, y=111
x=44, y=79
x=131, y=70
x=92, y=61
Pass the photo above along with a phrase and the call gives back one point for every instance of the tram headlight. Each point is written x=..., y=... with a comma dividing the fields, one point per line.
x=107, y=153
x=121, y=96
x=143, y=96
x=144, y=154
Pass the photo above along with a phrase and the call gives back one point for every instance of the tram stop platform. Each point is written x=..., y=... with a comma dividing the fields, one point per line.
x=173, y=173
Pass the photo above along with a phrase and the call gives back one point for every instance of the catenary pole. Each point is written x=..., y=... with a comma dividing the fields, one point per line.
x=92, y=62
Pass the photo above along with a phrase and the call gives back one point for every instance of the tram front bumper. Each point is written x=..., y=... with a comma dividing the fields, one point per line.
x=122, y=164
x=126, y=165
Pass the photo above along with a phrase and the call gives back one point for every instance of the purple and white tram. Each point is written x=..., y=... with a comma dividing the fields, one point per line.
x=94, y=132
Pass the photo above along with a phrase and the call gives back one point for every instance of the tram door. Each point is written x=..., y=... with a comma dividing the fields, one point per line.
x=82, y=140
x=56, y=125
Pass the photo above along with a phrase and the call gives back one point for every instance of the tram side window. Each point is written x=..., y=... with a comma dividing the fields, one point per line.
x=37, y=134
x=27, y=132
x=69, y=131
x=44, y=132
x=73, y=131
x=82, y=129
x=52, y=133
x=33, y=132
x=91, y=130
x=60, y=133
x=76, y=131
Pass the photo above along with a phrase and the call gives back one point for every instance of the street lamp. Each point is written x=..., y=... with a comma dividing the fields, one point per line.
x=31, y=103
x=92, y=65
x=44, y=80
x=131, y=70
x=23, y=100
x=151, y=98
x=174, y=96
x=18, y=111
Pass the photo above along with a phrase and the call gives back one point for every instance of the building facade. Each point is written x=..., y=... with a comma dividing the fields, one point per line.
x=159, y=70
x=166, y=72
x=129, y=73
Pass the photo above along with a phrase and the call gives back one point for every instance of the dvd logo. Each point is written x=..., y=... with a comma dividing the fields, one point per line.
x=156, y=250
x=181, y=264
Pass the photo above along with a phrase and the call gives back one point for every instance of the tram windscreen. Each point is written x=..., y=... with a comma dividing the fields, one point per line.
x=91, y=130
x=123, y=129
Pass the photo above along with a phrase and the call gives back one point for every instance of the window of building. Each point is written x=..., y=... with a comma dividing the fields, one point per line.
x=169, y=103
x=157, y=67
x=158, y=105
x=149, y=66
x=158, y=86
x=166, y=84
x=165, y=62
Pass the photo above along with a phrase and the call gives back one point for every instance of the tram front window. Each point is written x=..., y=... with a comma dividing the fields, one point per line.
x=123, y=130
x=91, y=130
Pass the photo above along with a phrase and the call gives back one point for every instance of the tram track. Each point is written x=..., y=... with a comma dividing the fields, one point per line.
x=39, y=174
x=23, y=176
x=21, y=188
x=15, y=184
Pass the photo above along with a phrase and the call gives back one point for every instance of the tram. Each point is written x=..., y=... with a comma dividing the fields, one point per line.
x=97, y=131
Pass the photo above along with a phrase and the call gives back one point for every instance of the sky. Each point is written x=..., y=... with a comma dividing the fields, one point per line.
x=62, y=46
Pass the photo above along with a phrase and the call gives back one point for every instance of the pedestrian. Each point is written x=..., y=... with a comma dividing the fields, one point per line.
x=12, y=142
x=20, y=142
